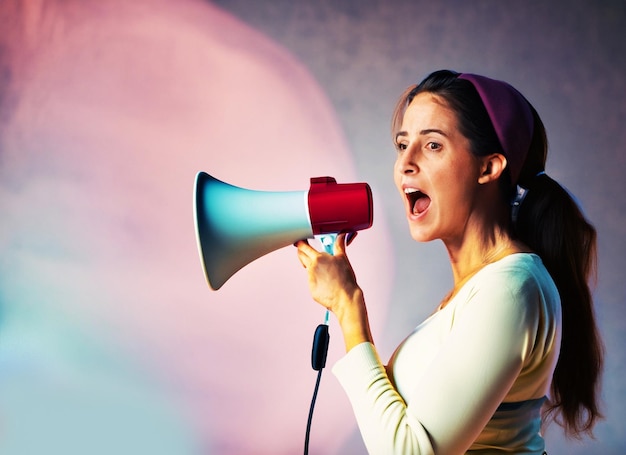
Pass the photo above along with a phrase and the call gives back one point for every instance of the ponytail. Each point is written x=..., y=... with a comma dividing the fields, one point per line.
x=550, y=222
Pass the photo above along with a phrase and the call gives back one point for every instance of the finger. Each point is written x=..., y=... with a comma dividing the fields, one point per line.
x=304, y=259
x=306, y=253
x=305, y=247
x=339, y=247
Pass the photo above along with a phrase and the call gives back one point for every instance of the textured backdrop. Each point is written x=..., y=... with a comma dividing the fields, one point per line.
x=110, y=340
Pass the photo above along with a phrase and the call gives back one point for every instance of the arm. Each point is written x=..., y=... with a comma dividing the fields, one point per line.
x=491, y=340
x=376, y=403
x=386, y=426
x=470, y=376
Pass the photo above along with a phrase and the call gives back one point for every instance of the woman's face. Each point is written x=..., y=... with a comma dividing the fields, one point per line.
x=435, y=172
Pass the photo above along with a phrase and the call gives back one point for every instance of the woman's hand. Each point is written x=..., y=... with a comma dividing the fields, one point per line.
x=331, y=279
x=332, y=283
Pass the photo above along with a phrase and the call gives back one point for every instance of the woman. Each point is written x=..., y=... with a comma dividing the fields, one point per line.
x=514, y=342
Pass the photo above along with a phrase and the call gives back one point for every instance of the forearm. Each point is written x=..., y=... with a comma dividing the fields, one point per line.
x=354, y=321
x=380, y=411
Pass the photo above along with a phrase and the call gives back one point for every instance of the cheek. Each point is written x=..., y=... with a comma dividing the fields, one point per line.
x=456, y=194
x=397, y=175
x=449, y=192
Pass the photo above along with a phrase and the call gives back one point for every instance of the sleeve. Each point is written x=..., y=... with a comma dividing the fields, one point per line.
x=450, y=405
x=381, y=413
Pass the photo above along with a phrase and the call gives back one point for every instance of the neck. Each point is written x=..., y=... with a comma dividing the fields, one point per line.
x=472, y=253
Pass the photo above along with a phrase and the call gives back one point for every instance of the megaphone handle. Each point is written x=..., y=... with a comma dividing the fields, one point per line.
x=328, y=241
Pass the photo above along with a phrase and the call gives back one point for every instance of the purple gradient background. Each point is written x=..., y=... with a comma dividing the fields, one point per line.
x=110, y=340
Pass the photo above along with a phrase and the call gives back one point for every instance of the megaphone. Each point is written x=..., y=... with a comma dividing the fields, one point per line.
x=235, y=226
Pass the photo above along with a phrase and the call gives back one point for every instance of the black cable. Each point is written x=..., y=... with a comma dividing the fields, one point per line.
x=318, y=362
x=310, y=419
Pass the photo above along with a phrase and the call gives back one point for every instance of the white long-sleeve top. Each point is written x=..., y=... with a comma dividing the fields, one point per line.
x=472, y=377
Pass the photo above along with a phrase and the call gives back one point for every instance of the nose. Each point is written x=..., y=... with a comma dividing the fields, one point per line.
x=406, y=163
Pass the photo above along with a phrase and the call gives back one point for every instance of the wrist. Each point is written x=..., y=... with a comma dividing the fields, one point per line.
x=354, y=321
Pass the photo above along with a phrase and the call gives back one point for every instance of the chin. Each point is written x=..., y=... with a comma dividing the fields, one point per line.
x=420, y=235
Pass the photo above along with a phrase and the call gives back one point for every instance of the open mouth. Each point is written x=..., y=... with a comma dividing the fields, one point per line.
x=418, y=201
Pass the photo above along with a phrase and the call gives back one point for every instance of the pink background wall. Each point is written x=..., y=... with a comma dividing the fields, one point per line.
x=110, y=339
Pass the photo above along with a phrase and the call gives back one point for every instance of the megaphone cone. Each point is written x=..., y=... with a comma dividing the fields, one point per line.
x=235, y=226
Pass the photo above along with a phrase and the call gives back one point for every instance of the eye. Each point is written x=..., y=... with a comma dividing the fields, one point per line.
x=401, y=146
x=433, y=146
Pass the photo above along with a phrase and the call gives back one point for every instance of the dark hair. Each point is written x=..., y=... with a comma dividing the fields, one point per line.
x=550, y=222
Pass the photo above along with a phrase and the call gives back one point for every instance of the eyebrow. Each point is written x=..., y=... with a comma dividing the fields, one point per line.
x=422, y=133
x=433, y=130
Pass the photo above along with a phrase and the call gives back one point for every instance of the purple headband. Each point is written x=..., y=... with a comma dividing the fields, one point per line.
x=511, y=117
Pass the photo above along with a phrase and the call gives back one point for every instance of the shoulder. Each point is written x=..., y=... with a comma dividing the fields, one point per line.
x=513, y=303
x=517, y=287
x=517, y=273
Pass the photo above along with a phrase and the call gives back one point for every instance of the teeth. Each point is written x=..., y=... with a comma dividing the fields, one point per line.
x=410, y=190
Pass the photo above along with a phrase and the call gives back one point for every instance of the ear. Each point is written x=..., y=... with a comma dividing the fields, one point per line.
x=492, y=167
